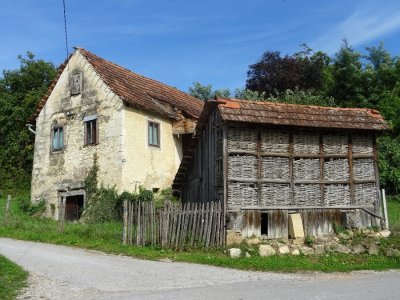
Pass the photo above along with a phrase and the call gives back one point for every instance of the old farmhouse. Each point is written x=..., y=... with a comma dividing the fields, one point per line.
x=265, y=161
x=136, y=126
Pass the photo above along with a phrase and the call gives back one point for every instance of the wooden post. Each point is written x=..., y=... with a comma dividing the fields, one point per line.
x=125, y=231
x=8, y=203
x=385, y=209
x=62, y=213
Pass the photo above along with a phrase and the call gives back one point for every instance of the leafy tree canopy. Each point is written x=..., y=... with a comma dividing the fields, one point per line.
x=275, y=74
x=20, y=90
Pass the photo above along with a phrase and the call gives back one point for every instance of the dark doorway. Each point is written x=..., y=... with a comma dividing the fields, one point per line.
x=264, y=224
x=73, y=207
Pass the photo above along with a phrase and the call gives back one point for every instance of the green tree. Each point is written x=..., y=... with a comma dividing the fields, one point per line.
x=206, y=92
x=246, y=94
x=20, y=90
x=304, y=70
x=347, y=73
x=303, y=98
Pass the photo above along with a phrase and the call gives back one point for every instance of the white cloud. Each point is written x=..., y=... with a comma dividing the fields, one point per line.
x=365, y=24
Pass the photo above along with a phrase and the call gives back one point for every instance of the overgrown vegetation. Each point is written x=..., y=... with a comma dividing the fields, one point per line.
x=104, y=204
x=12, y=279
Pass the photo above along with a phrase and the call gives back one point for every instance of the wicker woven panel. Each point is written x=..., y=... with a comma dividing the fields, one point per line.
x=242, y=166
x=362, y=144
x=242, y=195
x=306, y=169
x=337, y=194
x=307, y=194
x=335, y=144
x=274, y=194
x=275, y=142
x=366, y=194
x=275, y=168
x=336, y=169
x=305, y=143
x=364, y=168
x=242, y=139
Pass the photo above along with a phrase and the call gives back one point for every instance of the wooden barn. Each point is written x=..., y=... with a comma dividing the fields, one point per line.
x=265, y=161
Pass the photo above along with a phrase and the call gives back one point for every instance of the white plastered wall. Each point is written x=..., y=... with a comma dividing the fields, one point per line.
x=144, y=165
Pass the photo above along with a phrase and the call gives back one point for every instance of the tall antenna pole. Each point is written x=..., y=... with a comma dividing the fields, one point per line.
x=65, y=29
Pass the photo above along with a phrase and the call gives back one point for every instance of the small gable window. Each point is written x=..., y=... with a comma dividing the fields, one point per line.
x=154, y=134
x=58, y=138
x=91, y=133
x=76, y=84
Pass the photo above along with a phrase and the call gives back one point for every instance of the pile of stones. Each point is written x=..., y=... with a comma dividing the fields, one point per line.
x=364, y=241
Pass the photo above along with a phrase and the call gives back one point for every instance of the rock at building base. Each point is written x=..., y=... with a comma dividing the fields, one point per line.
x=233, y=237
x=253, y=241
x=385, y=233
x=283, y=249
x=307, y=251
x=373, y=249
x=295, y=252
x=266, y=250
x=235, y=252
x=359, y=249
x=342, y=249
x=319, y=249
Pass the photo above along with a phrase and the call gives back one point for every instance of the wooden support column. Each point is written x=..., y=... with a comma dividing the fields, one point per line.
x=351, y=178
x=377, y=204
x=258, y=156
x=62, y=212
x=291, y=175
x=225, y=177
x=321, y=169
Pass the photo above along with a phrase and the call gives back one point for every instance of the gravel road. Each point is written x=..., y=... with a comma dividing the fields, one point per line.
x=59, y=272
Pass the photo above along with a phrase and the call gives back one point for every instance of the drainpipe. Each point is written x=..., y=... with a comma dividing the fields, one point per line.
x=29, y=126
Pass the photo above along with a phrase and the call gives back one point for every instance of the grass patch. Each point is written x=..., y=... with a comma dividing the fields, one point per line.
x=12, y=279
x=107, y=237
x=393, y=205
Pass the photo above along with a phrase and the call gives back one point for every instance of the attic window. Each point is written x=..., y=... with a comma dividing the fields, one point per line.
x=76, y=84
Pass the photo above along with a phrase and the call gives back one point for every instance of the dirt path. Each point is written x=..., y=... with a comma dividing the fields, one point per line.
x=59, y=272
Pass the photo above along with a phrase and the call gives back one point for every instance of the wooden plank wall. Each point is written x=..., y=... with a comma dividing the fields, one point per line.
x=201, y=184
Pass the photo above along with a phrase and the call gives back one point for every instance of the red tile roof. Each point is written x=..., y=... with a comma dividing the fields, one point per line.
x=134, y=89
x=274, y=113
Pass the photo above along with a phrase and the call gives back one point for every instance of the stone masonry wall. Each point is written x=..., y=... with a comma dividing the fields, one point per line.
x=66, y=169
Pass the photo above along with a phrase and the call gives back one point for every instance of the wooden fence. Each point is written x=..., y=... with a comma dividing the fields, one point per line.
x=175, y=225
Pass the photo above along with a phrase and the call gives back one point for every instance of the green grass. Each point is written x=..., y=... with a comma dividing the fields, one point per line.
x=394, y=215
x=12, y=279
x=107, y=238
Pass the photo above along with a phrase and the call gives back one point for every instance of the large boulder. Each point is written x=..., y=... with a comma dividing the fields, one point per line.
x=266, y=250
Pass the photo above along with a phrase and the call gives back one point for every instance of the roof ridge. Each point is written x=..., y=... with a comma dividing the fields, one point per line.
x=137, y=89
x=273, y=103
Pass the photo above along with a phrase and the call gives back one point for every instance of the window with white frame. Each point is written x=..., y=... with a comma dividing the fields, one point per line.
x=154, y=134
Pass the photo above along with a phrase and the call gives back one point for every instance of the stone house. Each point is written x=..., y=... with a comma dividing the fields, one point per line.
x=267, y=161
x=137, y=127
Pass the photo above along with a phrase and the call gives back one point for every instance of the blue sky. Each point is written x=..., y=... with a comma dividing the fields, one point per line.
x=179, y=42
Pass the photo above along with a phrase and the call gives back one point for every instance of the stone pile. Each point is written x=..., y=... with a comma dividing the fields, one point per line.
x=348, y=242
